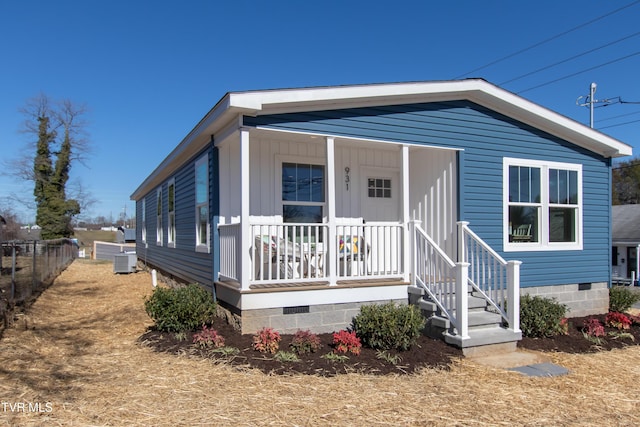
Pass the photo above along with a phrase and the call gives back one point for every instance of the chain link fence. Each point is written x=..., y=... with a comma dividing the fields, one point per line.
x=26, y=267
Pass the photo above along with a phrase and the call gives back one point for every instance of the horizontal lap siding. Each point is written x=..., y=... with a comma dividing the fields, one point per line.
x=181, y=261
x=486, y=138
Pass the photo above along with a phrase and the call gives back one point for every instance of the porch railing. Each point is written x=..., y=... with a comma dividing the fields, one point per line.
x=496, y=280
x=374, y=249
x=441, y=278
x=294, y=252
x=281, y=253
x=230, y=251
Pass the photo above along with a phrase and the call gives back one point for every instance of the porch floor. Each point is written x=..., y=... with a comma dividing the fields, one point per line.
x=315, y=285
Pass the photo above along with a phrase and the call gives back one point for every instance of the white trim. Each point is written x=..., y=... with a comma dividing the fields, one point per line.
x=171, y=216
x=245, y=225
x=405, y=210
x=339, y=138
x=328, y=295
x=143, y=233
x=543, y=243
x=330, y=195
x=199, y=247
x=287, y=158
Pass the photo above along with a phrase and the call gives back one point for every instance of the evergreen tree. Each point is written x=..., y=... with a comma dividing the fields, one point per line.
x=51, y=167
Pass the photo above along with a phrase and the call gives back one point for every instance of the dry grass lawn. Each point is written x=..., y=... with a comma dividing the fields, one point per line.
x=75, y=354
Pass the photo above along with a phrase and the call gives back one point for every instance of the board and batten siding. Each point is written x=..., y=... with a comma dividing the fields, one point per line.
x=485, y=137
x=181, y=261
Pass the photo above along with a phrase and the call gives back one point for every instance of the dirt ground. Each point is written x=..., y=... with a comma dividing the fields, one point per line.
x=75, y=359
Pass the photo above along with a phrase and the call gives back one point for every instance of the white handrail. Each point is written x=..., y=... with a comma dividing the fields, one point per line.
x=496, y=280
x=438, y=275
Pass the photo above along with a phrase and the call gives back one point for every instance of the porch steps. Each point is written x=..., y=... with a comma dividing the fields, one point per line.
x=486, y=333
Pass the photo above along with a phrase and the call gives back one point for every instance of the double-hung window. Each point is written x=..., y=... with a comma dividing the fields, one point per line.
x=159, y=233
x=171, y=210
x=542, y=206
x=302, y=192
x=144, y=220
x=202, y=204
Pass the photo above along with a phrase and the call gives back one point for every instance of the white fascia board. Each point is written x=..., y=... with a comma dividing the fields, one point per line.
x=474, y=90
x=310, y=98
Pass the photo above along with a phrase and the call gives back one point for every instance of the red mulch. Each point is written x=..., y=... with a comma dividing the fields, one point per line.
x=428, y=352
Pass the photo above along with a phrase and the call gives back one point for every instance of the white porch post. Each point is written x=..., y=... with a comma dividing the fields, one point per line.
x=414, y=250
x=407, y=248
x=462, y=301
x=245, y=227
x=330, y=242
x=513, y=294
x=462, y=249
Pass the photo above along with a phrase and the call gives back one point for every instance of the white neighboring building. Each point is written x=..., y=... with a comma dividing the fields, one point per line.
x=625, y=242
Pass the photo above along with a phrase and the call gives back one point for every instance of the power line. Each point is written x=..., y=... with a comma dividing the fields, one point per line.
x=619, y=124
x=549, y=39
x=580, y=72
x=569, y=59
x=619, y=115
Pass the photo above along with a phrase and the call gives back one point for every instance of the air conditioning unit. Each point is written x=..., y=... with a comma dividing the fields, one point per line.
x=125, y=263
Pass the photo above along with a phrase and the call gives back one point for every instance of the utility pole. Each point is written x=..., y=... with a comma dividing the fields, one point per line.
x=590, y=101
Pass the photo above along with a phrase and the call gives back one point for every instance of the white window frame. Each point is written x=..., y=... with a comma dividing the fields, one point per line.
x=543, y=243
x=171, y=214
x=159, y=225
x=144, y=219
x=200, y=246
x=280, y=160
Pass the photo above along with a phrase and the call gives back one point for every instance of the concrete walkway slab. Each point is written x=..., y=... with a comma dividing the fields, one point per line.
x=530, y=363
x=541, y=370
x=510, y=359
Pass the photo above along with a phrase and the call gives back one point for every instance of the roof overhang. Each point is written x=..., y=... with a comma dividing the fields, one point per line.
x=252, y=103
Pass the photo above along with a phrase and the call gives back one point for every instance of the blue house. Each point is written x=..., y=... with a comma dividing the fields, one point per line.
x=297, y=206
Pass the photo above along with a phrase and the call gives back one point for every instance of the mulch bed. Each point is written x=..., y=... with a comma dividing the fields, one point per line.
x=575, y=342
x=427, y=353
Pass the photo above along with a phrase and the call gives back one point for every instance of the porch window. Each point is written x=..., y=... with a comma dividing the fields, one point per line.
x=379, y=188
x=159, y=233
x=543, y=205
x=144, y=220
x=171, y=196
x=202, y=204
x=302, y=192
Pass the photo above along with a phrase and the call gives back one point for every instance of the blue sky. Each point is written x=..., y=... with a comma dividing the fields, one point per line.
x=150, y=70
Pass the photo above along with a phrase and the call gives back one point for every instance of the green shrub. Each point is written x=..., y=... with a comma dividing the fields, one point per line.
x=304, y=342
x=182, y=309
x=541, y=317
x=389, y=326
x=621, y=298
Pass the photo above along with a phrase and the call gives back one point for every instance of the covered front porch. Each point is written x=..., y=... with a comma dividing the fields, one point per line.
x=299, y=208
x=325, y=220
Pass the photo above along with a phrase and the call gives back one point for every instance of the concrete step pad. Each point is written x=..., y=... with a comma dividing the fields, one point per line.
x=485, y=337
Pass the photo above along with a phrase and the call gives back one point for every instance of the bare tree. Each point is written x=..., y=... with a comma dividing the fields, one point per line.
x=59, y=139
